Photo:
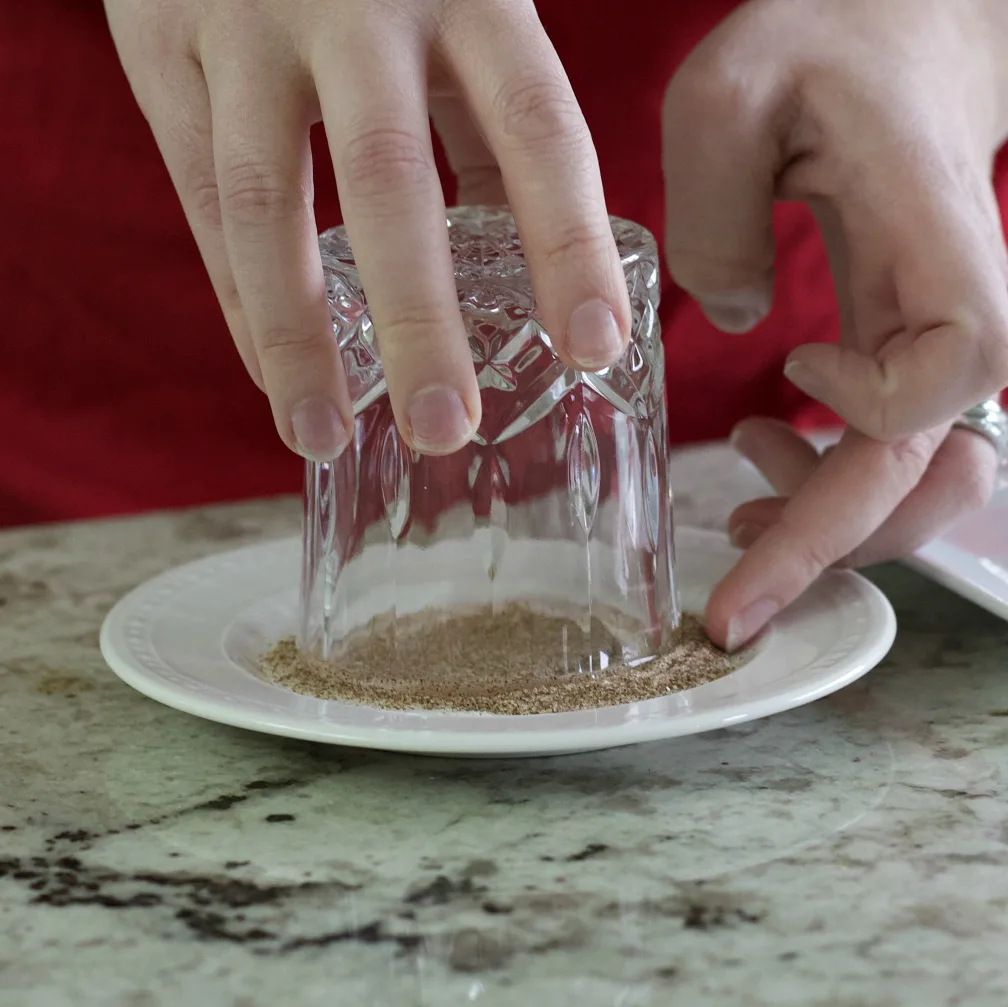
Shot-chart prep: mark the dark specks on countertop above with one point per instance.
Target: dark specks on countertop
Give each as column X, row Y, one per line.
column 697, row 906
column 443, row 890
column 284, row 784
column 371, row 933
column 223, row 803
column 208, row 905
column 591, row 850
column 496, row 909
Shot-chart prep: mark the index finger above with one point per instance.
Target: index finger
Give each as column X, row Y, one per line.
column 852, row 492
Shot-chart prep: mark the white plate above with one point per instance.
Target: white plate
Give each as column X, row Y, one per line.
column 971, row 558
column 191, row 637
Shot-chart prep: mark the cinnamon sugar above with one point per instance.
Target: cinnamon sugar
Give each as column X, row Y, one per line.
column 515, row 661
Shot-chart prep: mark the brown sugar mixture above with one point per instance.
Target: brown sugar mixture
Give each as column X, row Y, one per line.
column 514, row 661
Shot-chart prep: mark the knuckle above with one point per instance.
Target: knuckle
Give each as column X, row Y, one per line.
column 537, row 110
column 380, row 160
column 251, row 188
column 287, row 343
column 714, row 88
column 581, row 242
column 201, row 192
column 415, row 333
column 975, row 469
column 910, row 456
column 809, row 552
column 976, row 487
column 885, row 415
column 812, row 557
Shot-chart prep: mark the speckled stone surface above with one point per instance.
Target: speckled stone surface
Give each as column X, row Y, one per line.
column 853, row 852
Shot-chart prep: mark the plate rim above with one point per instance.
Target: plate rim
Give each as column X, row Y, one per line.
column 429, row 741
column 928, row 561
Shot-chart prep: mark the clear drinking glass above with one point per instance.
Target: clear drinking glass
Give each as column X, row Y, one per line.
column 561, row 502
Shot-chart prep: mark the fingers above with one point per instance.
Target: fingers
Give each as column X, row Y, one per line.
column 720, row 156
column 843, row 502
column 479, row 178
column 522, row 101
column 749, row 521
column 180, row 120
column 960, row 479
column 476, row 172
column 930, row 301
column 263, row 172
column 394, row 212
column 782, row 455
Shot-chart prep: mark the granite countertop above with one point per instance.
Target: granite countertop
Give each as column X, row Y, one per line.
column 853, row 852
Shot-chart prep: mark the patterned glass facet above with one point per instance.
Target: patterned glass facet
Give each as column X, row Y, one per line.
column 562, row 498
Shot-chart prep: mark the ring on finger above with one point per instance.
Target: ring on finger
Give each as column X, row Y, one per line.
column 990, row 420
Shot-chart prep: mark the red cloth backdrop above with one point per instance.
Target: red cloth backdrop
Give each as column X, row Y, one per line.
column 119, row 388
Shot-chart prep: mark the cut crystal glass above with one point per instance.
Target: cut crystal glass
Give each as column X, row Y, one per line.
column 561, row 502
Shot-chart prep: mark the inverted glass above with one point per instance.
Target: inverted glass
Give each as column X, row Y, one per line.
column 560, row 504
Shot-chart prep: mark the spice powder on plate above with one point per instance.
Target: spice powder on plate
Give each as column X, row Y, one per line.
column 513, row 661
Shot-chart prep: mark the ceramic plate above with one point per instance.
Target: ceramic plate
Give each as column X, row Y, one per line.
column 971, row 558
column 191, row 638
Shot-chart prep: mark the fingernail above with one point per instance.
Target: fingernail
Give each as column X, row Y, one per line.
column 738, row 440
column 594, row 339
column 744, row 534
column 803, row 378
column 736, row 310
column 319, row 429
column 439, row 421
column 744, row 626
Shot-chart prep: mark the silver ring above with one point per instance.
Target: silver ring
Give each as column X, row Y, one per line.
column 988, row 420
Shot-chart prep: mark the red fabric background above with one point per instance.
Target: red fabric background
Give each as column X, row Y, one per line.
column 119, row 388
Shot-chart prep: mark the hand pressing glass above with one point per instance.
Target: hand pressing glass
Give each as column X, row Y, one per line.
column 231, row 89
